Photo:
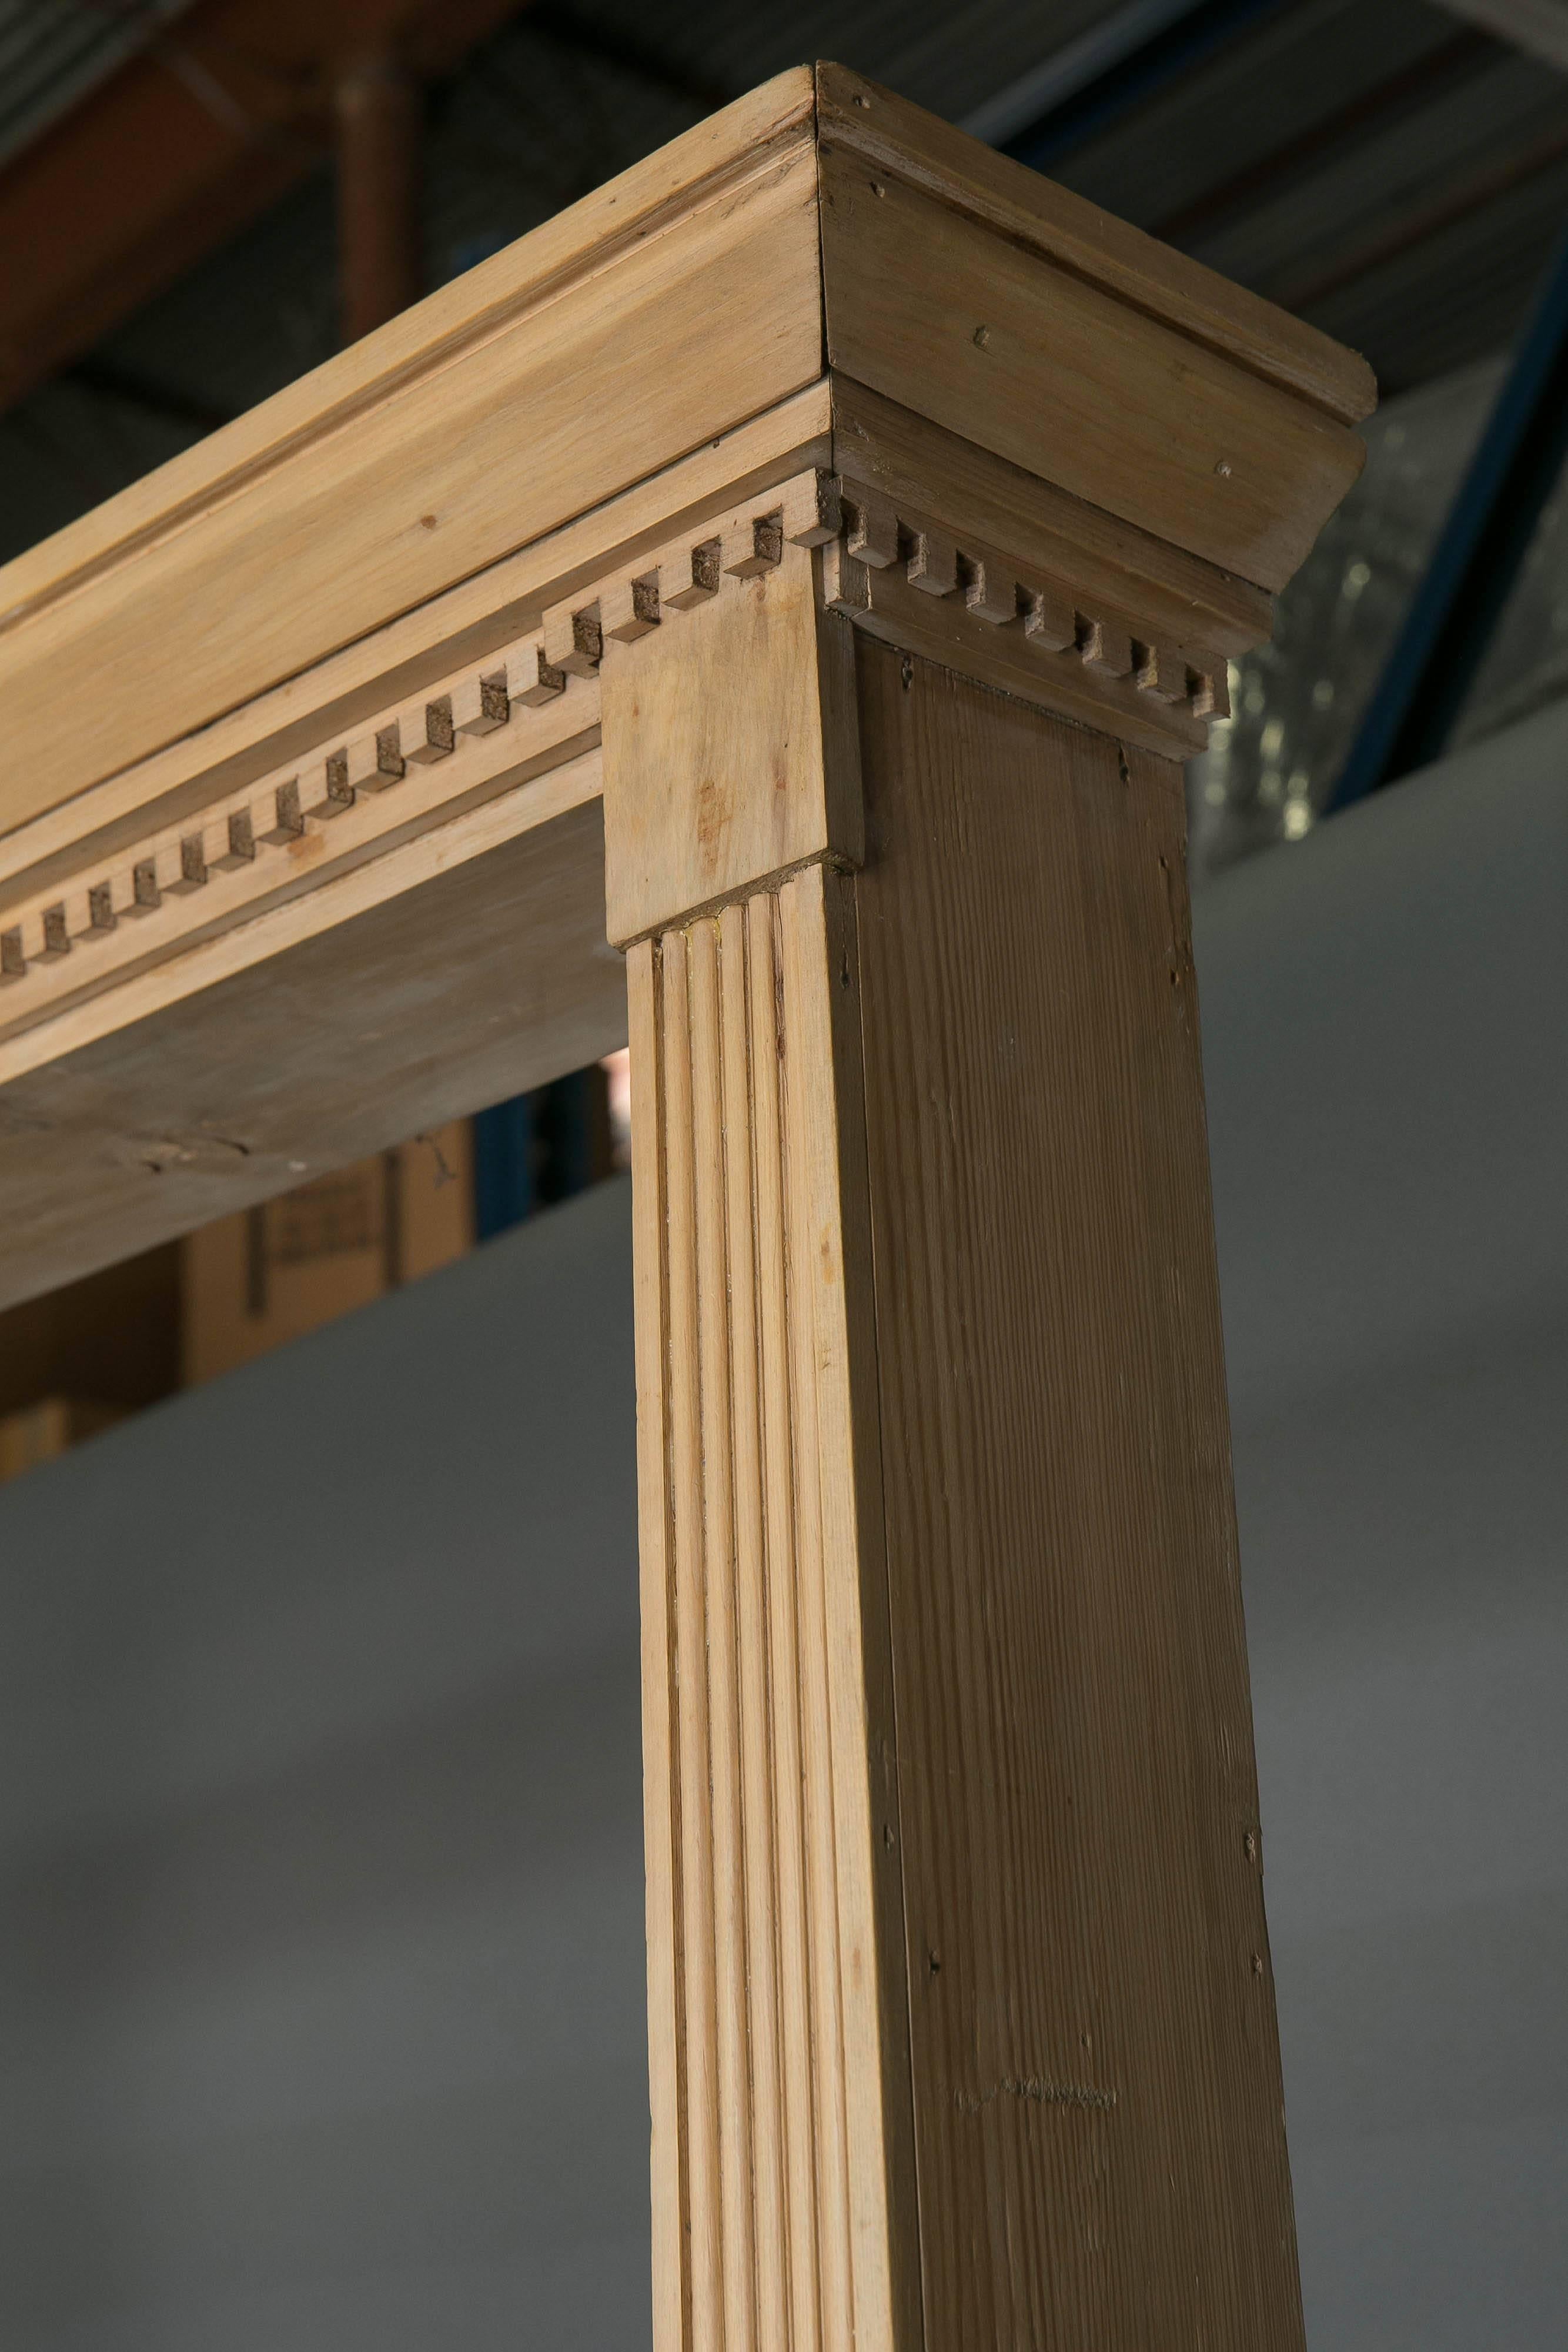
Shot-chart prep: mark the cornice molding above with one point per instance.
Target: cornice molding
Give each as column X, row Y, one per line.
column 1203, row 435
column 976, row 608
column 505, row 719
column 488, row 730
column 653, row 198
column 968, row 177
column 361, row 684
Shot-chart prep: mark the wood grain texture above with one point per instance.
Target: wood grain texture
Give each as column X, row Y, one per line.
column 349, row 800
column 668, row 2163
column 527, row 804
column 489, row 974
column 912, row 462
column 1097, row 2099
column 781, row 2154
column 141, row 918
column 463, row 625
column 637, row 204
column 700, row 801
column 1055, row 374
column 1032, row 211
column 999, row 648
column 403, row 471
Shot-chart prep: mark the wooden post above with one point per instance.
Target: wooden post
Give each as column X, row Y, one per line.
column 960, row 2007
column 782, row 2157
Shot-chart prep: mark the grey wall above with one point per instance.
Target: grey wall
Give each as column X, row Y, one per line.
column 320, row 1925
column 321, row 2005
column 1409, row 1634
column 1386, row 1027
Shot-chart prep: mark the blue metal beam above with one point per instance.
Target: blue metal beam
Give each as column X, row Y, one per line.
column 505, row 1170
column 1476, row 562
column 538, row 1147
column 1162, row 42
column 1038, row 93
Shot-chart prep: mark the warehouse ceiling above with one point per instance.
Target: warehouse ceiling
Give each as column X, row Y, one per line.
column 54, row 52
column 1392, row 172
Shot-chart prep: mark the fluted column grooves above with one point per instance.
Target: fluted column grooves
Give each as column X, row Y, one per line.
column 761, row 1982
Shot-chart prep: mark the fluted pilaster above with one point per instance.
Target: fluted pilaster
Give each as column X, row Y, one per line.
column 769, row 2176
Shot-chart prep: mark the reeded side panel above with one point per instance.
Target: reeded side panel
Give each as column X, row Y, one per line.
column 771, row 2170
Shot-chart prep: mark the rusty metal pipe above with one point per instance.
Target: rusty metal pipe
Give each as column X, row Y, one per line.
column 380, row 114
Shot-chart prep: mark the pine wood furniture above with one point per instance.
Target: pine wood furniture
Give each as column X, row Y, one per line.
column 818, row 549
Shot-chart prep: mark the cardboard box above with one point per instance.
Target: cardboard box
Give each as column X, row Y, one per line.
column 38, row 1432
column 273, row 1273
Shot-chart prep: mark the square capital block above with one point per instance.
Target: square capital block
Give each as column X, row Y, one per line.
column 729, row 744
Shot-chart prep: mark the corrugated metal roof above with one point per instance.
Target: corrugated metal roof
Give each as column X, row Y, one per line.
column 1396, row 176
column 1316, row 226
column 1270, row 86
column 947, row 58
column 555, row 104
column 52, row 52
column 1311, row 155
